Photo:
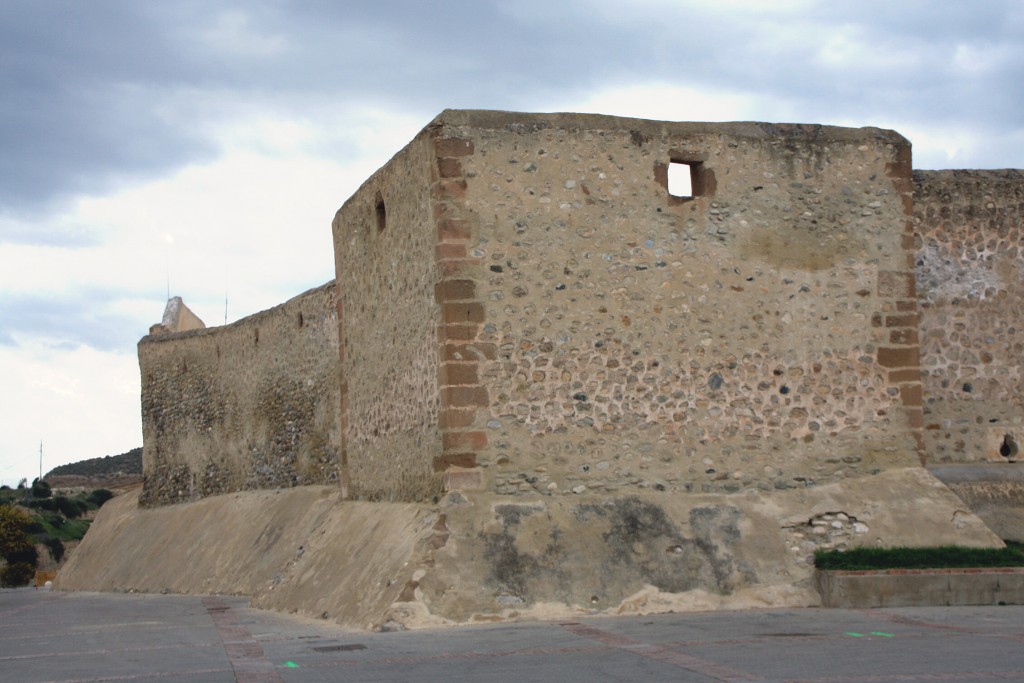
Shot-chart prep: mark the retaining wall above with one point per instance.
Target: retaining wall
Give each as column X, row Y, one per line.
column 921, row 587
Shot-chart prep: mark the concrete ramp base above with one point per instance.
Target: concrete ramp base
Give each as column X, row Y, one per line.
column 483, row 557
column 994, row 492
column 298, row 550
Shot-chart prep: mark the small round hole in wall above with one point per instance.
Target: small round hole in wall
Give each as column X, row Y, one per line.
column 1008, row 448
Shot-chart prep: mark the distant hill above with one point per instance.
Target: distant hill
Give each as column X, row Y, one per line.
column 129, row 463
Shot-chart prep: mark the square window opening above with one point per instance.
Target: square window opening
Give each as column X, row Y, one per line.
column 681, row 179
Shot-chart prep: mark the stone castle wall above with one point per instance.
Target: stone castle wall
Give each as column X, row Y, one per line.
column 760, row 335
column 970, row 275
column 384, row 238
column 249, row 405
column 522, row 306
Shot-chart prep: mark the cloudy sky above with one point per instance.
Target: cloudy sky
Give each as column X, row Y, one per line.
column 204, row 145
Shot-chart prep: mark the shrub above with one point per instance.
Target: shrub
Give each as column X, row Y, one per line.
column 49, row 504
column 13, row 534
column 941, row 557
column 16, row 547
column 10, row 496
column 40, row 489
column 54, row 545
column 69, row 508
column 15, row 574
column 99, row 497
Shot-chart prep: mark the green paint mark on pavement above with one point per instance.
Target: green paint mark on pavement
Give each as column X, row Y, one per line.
column 879, row 633
column 855, row 634
column 291, row 665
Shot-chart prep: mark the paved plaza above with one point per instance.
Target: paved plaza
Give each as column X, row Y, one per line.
column 88, row 637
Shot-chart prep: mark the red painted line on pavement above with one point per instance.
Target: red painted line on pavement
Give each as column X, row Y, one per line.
column 362, row 659
column 53, row 633
column 910, row 621
column 137, row 677
column 669, row 654
column 104, row 651
column 600, row 635
column 955, row 676
column 30, row 607
column 245, row 654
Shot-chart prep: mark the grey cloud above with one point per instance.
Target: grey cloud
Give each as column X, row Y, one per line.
column 114, row 90
column 78, row 107
column 82, row 317
column 24, row 230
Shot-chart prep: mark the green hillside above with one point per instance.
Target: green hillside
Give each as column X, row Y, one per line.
column 111, row 465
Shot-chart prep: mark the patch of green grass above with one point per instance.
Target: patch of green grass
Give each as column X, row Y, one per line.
column 57, row 526
column 940, row 557
column 56, row 519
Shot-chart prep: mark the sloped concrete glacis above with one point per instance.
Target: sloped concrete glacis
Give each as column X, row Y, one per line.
column 484, row 557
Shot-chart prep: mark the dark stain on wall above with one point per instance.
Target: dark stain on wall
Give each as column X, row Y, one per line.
column 642, row 545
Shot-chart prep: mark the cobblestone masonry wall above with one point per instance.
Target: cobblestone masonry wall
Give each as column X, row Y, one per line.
column 384, row 241
column 970, row 274
column 524, row 306
column 250, row 405
column 760, row 335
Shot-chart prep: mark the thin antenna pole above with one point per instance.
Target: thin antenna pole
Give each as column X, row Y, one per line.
column 168, row 277
column 225, row 307
column 40, row 460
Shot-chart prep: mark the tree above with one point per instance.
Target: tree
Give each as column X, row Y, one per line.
column 40, row 489
column 16, row 548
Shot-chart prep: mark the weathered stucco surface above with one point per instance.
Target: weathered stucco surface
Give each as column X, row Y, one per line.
column 250, row 405
column 485, row 557
column 970, row 273
column 298, row 549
